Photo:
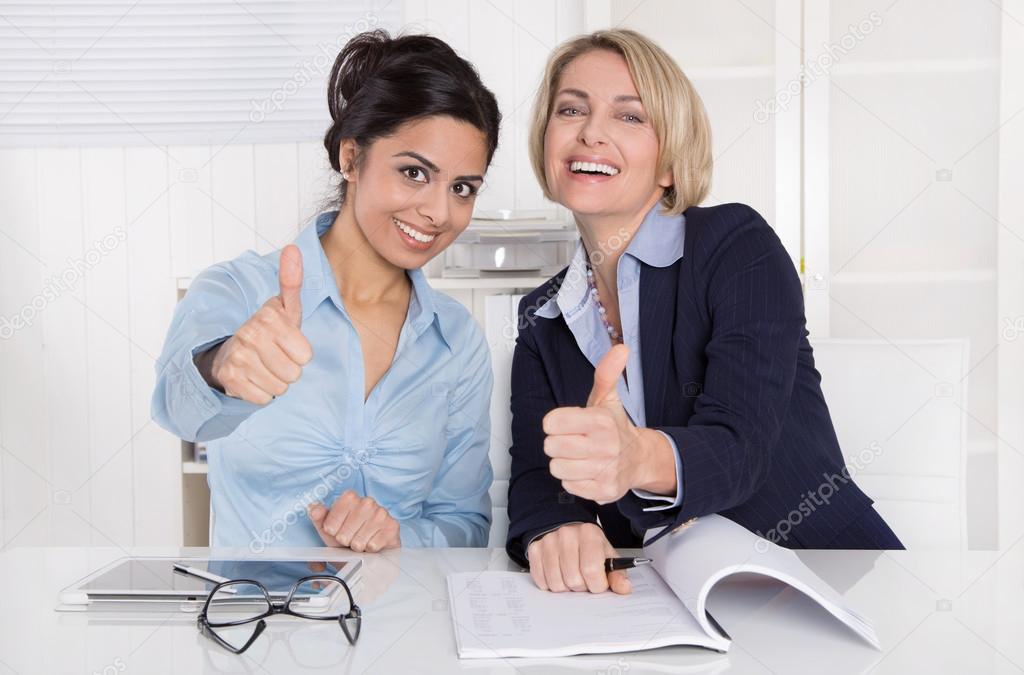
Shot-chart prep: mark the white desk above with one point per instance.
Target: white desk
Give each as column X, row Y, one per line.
column 934, row 613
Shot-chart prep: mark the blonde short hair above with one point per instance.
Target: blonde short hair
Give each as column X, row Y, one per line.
column 673, row 105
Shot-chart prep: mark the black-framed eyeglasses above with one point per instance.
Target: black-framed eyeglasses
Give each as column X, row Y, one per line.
column 232, row 606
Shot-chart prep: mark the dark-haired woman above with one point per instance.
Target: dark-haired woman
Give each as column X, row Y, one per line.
column 328, row 379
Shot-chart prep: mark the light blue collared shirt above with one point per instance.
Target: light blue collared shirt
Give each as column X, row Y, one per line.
column 658, row 243
column 418, row 445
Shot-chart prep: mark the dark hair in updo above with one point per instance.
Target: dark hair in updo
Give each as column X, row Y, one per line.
column 379, row 83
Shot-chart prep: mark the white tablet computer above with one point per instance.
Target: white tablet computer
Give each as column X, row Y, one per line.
column 156, row 579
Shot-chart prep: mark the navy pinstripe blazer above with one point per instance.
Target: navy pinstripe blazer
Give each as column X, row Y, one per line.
column 728, row 374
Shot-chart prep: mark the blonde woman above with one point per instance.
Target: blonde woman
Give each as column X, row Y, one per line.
column 666, row 373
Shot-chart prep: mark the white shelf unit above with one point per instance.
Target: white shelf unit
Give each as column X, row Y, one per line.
column 195, row 499
column 193, row 467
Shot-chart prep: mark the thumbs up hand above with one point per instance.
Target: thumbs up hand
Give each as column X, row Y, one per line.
column 596, row 451
column 268, row 352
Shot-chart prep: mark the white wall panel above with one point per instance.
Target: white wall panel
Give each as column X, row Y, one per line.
column 156, row 457
column 107, row 352
column 64, row 367
column 24, row 424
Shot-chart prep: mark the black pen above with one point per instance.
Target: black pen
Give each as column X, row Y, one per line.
column 613, row 564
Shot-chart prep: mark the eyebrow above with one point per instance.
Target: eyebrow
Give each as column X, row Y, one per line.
column 622, row 98
column 433, row 167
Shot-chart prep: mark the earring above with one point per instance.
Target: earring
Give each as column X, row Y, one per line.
column 344, row 175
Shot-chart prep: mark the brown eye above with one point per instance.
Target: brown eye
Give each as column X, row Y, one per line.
column 464, row 190
column 414, row 173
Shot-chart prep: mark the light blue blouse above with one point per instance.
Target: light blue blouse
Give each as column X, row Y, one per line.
column 418, row 445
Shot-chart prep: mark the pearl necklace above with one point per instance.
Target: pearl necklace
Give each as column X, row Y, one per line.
column 592, row 285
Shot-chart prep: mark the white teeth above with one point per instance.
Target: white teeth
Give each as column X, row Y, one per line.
column 415, row 234
column 592, row 167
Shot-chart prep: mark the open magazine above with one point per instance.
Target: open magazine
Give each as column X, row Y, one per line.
column 503, row 614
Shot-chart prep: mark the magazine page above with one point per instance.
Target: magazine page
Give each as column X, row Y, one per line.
column 695, row 557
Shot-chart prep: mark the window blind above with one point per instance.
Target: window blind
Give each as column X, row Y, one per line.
column 184, row 72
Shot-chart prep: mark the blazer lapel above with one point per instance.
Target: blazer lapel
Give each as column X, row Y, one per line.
column 658, row 287
column 573, row 375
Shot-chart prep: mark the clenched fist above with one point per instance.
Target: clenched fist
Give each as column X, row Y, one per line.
column 268, row 352
column 355, row 522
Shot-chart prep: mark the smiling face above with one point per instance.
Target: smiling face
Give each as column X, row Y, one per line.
column 412, row 193
column 600, row 150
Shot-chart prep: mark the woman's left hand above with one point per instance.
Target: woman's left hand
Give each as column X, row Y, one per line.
column 355, row 522
column 597, row 452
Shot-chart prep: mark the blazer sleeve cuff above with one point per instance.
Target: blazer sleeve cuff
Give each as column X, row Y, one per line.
column 665, row 502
